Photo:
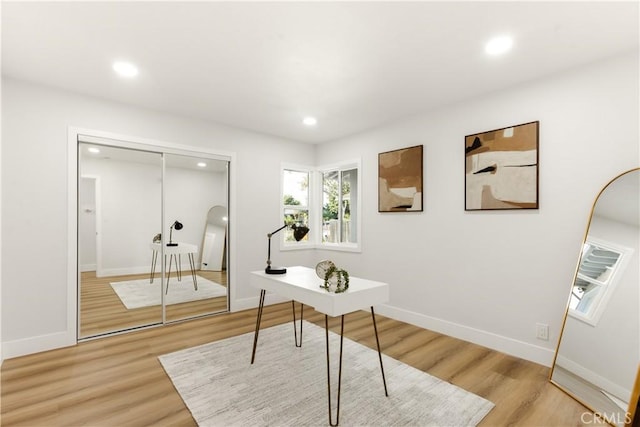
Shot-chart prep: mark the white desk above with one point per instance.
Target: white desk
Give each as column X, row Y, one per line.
column 303, row 285
column 175, row 253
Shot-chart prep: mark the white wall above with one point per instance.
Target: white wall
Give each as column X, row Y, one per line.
column 35, row 207
column 490, row 276
column 130, row 213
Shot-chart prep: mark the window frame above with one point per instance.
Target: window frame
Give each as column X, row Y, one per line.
column 340, row 168
column 592, row 317
column 305, row 244
column 316, row 205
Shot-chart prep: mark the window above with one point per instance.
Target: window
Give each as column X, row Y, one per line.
column 295, row 201
column 339, row 206
column 601, row 264
column 330, row 207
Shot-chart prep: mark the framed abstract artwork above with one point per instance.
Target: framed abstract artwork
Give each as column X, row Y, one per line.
column 501, row 168
column 400, row 180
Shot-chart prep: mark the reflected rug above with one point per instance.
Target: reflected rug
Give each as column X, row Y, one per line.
column 287, row 386
column 141, row 293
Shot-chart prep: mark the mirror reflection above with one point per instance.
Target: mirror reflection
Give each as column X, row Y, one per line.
column 192, row 187
column 119, row 211
column 214, row 242
column 599, row 349
column 134, row 270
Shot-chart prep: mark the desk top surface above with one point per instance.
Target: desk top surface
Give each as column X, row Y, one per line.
column 182, row 248
column 303, row 285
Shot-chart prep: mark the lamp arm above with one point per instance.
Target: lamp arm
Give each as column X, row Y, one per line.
column 269, row 245
column 274, row 232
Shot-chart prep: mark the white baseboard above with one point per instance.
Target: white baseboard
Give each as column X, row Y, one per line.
column 37, row 344
column 523, row 350
column 520, row 349
column 249, row 303
column 108, row 272
column 594, row 378
column 88, row 267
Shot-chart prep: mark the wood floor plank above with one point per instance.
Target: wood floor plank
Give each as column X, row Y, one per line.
column 101, row 310
column 118, row 380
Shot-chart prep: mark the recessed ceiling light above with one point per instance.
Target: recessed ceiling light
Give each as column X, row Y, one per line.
column 310, row 121
column 93, row 150
column 202, row 164
column 498, row 45
column 125, row 69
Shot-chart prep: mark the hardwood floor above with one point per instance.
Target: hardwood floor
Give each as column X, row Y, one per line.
column 101, row 311
column 118, row 381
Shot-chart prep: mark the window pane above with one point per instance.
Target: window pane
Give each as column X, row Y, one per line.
column 330, row 207
column 295, row 188
column 295, row 199
column 295, row 217
column 349, row 206
column 597, row 272
column 598, row 263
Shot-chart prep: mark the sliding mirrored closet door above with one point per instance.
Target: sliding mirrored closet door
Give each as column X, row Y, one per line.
column 119, row 213
column 152, row 236
column 196, row 200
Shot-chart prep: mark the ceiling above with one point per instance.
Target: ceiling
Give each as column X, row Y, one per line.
column 118, row 154
column 263, row 66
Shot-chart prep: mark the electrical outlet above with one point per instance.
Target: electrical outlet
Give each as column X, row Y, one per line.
column 542, row 331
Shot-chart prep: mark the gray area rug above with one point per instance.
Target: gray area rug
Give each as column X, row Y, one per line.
column 287, row 386
column 141, row 293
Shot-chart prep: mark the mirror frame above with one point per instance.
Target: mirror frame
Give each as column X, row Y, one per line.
column 632, row 411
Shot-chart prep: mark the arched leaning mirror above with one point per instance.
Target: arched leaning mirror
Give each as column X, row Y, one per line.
column 598, row 353
column 214, row 241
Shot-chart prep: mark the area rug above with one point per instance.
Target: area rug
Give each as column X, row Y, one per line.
column 141, row 293
column 287, row 386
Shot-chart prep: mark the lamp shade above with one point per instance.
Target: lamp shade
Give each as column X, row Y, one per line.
column 299, row 231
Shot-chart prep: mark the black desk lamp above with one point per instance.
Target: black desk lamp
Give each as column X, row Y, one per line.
column 178, row 226
column 299, row 231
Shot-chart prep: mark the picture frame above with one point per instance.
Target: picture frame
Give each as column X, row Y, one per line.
column 400, row 182
column 502, row 168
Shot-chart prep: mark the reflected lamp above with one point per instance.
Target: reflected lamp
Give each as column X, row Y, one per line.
column 178, row 226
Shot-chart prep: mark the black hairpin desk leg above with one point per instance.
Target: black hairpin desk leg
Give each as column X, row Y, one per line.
column 295, row 327
column 258, row 319
column 326, row 328
column 375, row 329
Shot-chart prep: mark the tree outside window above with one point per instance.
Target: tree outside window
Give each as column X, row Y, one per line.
column 295, row 201
column 337, row 206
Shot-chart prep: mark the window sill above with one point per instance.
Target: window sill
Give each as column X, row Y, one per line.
column 344, row 247
column 296, row 246
column 583, row 318
column 322, row 246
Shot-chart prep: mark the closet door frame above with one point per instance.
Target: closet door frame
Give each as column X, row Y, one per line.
column 76, row 135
